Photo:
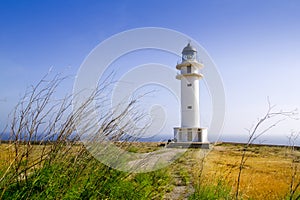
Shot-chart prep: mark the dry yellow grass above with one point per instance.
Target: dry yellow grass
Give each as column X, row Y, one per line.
column 266, row 175
column 34, row 158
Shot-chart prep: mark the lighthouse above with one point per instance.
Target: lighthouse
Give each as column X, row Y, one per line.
column 189, row 76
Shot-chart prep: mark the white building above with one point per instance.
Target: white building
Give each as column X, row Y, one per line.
column 189, row 76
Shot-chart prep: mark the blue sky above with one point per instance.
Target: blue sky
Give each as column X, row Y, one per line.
column 255, row 44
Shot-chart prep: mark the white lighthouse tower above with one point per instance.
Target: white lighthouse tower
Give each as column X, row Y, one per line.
column 189, row 76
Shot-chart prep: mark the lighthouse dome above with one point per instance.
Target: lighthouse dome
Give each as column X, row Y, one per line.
column 189, row 48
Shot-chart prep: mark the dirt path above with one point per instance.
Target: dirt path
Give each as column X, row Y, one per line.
column 183, row 175
column 182, row 190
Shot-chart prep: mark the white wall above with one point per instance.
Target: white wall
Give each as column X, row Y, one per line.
column 190, row 97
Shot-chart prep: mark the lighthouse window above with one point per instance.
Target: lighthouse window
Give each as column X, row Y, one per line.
column 189, row 69
column 189, row 84
column 189, row 107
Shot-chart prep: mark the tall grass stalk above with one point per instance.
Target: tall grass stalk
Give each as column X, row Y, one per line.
column 45, row 156
column 257, row 131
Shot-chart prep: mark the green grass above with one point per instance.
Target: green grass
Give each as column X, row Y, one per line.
column 211, row 192
column 82, row 178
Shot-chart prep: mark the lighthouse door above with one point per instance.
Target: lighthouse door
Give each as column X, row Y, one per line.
column 199, row 135
column 190, row 136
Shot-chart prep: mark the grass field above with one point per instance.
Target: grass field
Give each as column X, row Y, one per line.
column 267, row 174
column 199, row 174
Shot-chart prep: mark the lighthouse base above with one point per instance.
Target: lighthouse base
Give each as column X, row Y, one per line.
column 189, row 135
column 198, row 145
